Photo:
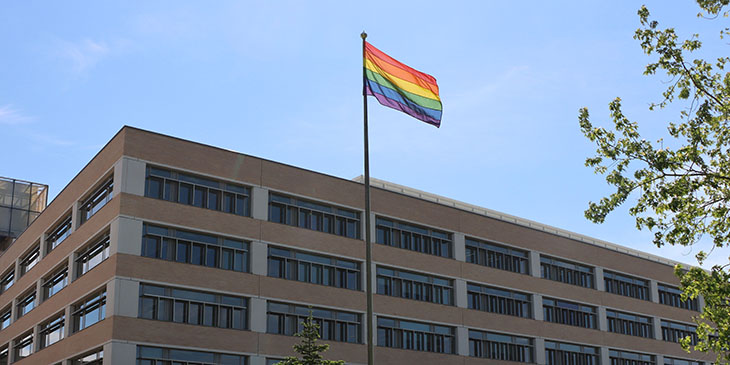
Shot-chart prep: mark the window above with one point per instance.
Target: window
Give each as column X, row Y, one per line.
column 96, row 357
column 158, row 356
column 192, row 307
column 630, row 358
column 23, row 346
column 195, row 248
column 5, row 318
column 497, row 346
column 54, row 283
column 26, row 303
column 404, row 284
column 287, row 319
column 4, row 355
column 314, row 216
column 415, row 336
column 625, row 285
column 92, row 255
column 558, row 353
column 496, row 256
column 566, row 272
column 501, row 301
column 672, row 361
column 315, row 269
column 572, row 314
column 52, row 331
column 30, row 260
column 7, row 280
column 629, row 324
column 671, row 295
column 197, row 191
column 58, row 234
column 674, row 332
column 96, row 200
column 89, row 311
column 412, row 237
column 270, row 361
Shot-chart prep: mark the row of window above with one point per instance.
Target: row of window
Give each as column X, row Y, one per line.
column 54, row 237
column 192, row 307
column 214, row 251
column 315, row 269
column 226, row 311
column 84, row 314
column 204, row 192
column 86, row 259
column 195, row 248
column 481, row 344
column 148, row 355
column 315, row 216
column 197, row 191
column 95, row 357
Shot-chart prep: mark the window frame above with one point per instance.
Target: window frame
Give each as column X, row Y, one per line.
column 81, row 309
column 675, row 331
column 285, row 263
column 567, row 272
column 334, row 324
column 84, row 258
column 583, row 356
column 570, row 313
column 95, row 357
column 166, row 355
column 630, row 358
column 171, row 183
column 27, row 299
column 221, row 303
column 414, row 237
column 616, row 324
column 167, row 246
column 30, row 259
column 314, row 215
column 500, row 346
column 672, row 296
column 497, row 256
column 403, row 335
column 24, row 341
column 626, row 285
column 59, row 233
column 6, row 315
column 93, row 202
column 408, row 288
column 59, row 275
column 46, row 329
column 491, row 299
column 7, row 280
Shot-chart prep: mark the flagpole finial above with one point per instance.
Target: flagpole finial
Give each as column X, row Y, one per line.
column 363, row 35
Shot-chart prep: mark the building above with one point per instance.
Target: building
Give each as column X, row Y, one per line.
column 20, row 203
column 165, row 251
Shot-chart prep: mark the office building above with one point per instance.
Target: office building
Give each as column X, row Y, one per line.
column 166, row 251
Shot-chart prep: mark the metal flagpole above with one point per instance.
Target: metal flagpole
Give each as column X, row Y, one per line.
column 368, row 243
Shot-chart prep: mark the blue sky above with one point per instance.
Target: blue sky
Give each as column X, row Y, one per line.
column 282, row 80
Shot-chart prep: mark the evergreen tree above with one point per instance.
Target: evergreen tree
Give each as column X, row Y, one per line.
column 310, row 351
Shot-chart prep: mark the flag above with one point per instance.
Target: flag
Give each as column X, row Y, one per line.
column 400, row 87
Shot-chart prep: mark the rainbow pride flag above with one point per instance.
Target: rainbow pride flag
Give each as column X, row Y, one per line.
column 400, row 87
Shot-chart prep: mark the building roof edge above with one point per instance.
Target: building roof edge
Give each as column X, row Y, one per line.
column 456, row 204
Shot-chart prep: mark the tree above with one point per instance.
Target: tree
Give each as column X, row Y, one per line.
column 683, row 192
column 308, row 348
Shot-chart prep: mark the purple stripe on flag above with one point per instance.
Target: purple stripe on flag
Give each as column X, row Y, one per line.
column 382, row 99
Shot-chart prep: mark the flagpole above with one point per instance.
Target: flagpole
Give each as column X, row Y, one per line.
column 368, row 242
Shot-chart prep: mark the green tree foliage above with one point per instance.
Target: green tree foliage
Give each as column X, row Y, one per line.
column 682, row 193
column 309, row 350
